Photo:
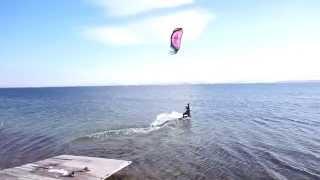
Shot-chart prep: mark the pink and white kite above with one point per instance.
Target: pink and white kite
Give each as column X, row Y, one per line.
column 176, row 37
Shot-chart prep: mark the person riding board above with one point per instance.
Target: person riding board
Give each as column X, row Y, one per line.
column 187, row 112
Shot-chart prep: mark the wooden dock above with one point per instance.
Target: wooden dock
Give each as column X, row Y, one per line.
column 65, row 167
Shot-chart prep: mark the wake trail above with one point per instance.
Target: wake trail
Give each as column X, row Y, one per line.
column 161, row 121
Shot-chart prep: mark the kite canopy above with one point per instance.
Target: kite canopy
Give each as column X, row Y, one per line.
column 176, row 40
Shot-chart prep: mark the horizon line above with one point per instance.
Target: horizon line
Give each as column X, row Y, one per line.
column 164, row 84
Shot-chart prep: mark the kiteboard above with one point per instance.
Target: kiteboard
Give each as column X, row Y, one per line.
column 184, row 118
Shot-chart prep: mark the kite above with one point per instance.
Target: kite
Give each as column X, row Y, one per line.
column 176, row 37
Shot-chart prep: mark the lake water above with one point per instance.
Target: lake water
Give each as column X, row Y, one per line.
column 237, row 131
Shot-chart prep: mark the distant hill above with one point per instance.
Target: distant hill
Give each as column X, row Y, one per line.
column 300, row 81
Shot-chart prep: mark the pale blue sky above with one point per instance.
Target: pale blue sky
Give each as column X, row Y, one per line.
column 97, row 42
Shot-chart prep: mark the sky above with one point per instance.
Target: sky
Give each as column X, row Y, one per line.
column 124, row 42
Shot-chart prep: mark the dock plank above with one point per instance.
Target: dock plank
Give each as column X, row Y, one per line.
column 55, row 168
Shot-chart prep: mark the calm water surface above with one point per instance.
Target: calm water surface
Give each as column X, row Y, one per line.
column 257, row 131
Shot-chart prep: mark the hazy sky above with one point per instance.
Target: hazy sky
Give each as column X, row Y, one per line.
column 101, row 42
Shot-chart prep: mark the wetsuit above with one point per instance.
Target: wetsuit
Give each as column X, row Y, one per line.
column 187, row 113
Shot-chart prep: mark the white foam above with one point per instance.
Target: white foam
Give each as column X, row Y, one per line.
column 163, row 118
column 123, row 132
column 160, row 122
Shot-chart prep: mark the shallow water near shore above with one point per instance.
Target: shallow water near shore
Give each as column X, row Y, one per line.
column 237, row 131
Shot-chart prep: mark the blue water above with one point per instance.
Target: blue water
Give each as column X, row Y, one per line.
column 239, row 131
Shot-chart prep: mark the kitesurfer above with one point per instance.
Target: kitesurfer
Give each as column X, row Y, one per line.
column 187, row 112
